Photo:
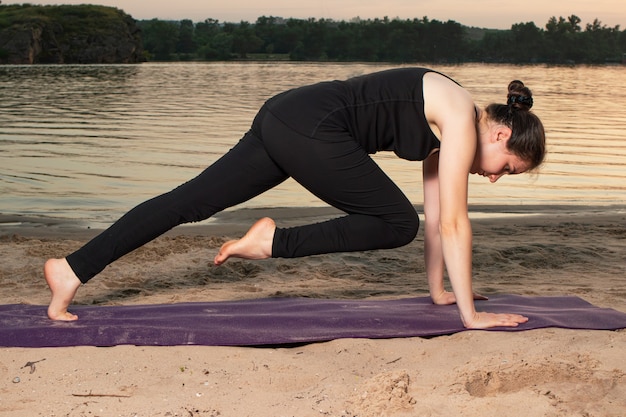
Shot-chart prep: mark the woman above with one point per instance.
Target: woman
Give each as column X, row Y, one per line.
column 322, row 135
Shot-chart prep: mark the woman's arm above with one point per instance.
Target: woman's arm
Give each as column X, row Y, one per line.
column 450, row 108
column 433, row 256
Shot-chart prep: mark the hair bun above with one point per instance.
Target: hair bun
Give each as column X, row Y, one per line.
column 520, row 97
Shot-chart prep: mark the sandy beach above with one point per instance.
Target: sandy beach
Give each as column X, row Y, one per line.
column 539, row 251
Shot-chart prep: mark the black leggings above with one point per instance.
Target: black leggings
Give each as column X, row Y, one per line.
column 336, row 169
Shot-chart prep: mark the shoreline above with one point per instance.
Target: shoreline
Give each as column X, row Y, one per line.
column 238, row 220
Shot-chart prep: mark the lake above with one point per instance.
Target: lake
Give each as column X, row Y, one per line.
column 87, row 143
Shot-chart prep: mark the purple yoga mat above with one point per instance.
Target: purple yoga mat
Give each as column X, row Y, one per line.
column 280, row 321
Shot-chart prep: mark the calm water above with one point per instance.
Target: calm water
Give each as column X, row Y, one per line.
column 89, row 142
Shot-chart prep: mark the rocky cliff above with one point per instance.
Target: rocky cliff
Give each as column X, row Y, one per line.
column 83, row 34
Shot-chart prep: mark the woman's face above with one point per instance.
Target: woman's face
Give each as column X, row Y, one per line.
column 493, row 159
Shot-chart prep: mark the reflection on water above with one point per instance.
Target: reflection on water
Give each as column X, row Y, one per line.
column 89, row 142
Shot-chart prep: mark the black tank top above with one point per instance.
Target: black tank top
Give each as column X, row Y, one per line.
column 383, row 111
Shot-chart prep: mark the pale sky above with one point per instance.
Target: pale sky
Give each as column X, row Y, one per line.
column 482, row 13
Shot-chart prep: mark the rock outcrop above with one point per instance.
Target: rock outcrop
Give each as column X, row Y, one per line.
column 83, row 34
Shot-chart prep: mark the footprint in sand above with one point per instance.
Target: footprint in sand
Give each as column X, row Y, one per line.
column 567, row 382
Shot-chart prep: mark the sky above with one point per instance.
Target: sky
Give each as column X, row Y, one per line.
column 490, row 14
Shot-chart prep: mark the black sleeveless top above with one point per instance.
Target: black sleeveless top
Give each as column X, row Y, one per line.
column 383, row 111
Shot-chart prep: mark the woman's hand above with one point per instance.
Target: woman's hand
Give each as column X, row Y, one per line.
column 484, row 320
column 447, row 297
column 481, row 320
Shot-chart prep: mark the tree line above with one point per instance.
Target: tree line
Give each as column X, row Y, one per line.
column 562, row 40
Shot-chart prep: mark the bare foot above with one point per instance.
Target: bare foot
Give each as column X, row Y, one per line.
column 63, row 284
column 256, row 244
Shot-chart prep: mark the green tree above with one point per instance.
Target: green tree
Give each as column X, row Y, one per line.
column 160, row 38
column 245, row 40
column 268, row 30
column 205, row 31
column 603, row 43
column 574, row 23
column 186, row 43
column 527, row 43
column 340, row 42
column 222, row 46
column 558, row 39
column 404, row 41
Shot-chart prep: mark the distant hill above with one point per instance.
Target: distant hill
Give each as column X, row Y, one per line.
column 83, row 34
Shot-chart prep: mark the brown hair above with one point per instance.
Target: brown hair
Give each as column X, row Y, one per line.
column 528, row 138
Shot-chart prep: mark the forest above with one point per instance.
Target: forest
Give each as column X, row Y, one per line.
column 560, row 41
column 98, row 34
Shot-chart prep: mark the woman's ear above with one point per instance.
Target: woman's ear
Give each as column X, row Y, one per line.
column 503, row 133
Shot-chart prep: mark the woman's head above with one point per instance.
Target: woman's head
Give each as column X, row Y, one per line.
column 528, row 139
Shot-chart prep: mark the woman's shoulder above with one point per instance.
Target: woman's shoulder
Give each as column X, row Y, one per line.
column 445, row 100
column 438, row 86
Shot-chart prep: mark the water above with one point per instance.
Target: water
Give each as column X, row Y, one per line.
column 89, row 142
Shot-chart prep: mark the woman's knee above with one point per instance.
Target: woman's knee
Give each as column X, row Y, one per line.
column 405, row 228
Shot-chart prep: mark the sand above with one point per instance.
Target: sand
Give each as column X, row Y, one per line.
column 535, row 251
